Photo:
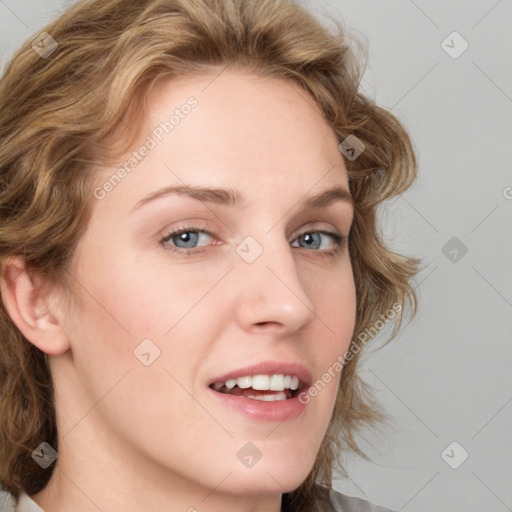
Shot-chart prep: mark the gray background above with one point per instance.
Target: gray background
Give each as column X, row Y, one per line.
column 446, row 377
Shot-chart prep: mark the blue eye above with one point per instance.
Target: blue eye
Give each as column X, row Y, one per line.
column 186, row 239
column 193, row 240
column 319, row 240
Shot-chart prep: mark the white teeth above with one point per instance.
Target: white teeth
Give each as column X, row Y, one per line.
column 261, row 383
column 231, row 383
column 268, row 398
column 277, row 383
column 244, row 382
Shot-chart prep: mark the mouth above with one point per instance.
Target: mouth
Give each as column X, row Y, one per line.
column 265, row 388
column 264, row 392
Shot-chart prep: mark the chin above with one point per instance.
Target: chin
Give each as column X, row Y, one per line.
column 261, row 483
column 276, row 475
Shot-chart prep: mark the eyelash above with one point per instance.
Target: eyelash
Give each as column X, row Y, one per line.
column 340, row 241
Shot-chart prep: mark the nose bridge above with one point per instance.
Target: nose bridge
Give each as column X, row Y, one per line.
column 269, row 289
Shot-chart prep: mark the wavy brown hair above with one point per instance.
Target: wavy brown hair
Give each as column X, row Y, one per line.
column 60, row 114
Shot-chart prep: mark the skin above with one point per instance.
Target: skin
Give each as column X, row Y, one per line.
column 136, row 437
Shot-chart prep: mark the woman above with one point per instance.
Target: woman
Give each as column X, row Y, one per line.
column 190, row 255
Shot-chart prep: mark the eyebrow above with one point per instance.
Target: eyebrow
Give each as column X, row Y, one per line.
column 231, row 197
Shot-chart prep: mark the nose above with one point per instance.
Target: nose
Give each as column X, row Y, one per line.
column 270, row 292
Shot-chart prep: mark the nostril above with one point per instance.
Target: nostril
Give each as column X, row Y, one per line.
column 268, row 324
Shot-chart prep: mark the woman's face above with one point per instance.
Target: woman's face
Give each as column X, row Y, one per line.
column 257, row 286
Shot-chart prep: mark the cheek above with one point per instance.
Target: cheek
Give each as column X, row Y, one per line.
column 121, row 325
column 336, row 311
column 334, row 297
column 132, row 314
column 140, row 300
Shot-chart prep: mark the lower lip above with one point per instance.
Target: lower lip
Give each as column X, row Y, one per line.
column 276, row 411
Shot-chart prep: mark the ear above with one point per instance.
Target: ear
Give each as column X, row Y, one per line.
column 33, row 307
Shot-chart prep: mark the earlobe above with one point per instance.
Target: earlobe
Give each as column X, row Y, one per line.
column 33, row 307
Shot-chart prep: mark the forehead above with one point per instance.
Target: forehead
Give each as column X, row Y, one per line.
column 245, row 131
column 240, row 110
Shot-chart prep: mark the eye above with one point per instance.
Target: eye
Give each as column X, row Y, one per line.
column 193, row 240
column 320, row 240
column 186, row 239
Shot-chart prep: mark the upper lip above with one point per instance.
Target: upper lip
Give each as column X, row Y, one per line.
column 269, row 368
